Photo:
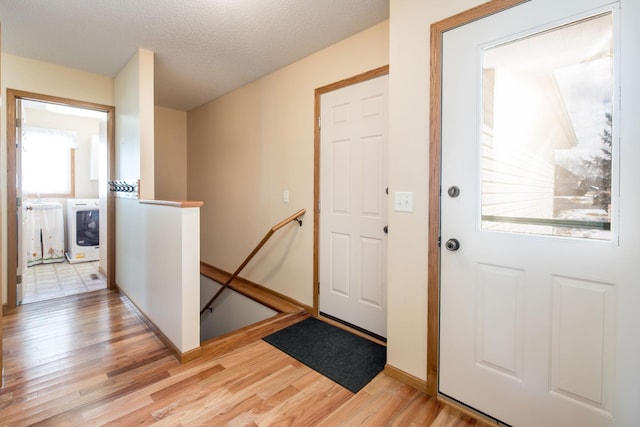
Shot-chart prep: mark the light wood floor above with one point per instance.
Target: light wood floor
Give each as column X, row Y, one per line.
column 89, row 360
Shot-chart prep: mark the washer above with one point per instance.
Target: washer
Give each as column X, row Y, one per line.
column 83, row 230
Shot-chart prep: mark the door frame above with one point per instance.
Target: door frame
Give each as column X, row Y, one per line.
column 435, row 167
column 12, row 229
column 359, row 78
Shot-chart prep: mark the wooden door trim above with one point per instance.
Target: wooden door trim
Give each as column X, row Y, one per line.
column 12, row 231
column 435, row 142
column 367, row 75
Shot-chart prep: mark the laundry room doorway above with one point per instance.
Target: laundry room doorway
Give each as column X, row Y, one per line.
column 58, row 170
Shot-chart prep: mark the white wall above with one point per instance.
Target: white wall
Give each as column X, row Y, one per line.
column 408, row 171
column 157, row 247
column 147, row 120
column 158, row 266
column 48, row 79
column 135, row 122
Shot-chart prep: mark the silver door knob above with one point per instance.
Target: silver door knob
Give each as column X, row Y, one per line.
column 452, row 245
column 453, row 191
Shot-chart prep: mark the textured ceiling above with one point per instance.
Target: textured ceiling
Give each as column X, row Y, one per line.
column 203, row 48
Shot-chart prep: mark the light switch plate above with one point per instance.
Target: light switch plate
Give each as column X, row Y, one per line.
column 403, row 201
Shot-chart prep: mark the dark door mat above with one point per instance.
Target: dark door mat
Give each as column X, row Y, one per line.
column 345, row 358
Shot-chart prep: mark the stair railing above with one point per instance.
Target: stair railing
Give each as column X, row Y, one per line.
column 295, row 217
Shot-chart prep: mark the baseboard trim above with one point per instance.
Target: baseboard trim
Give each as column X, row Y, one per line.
column 182, row 357
column 406, row 378
column 190, row 355
column 244, row 287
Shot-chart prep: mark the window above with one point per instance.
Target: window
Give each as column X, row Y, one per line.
column 48, row 163
column 546, row 160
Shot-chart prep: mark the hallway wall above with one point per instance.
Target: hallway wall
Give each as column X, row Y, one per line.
column 170, row 151
column 408, row 171
column 245, row 148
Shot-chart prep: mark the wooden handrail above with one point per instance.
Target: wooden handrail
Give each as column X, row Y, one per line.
column 295, row 217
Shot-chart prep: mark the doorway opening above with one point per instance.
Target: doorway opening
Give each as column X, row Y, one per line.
column 58, row 168
column 350, row 232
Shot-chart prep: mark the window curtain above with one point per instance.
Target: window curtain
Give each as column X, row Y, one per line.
column 43, row 233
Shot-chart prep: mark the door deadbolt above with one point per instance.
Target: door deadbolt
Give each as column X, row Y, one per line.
column 452, row 245
column 386, row 229
column 453, row 191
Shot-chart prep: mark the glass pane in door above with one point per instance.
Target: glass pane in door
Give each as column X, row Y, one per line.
column 547, row 146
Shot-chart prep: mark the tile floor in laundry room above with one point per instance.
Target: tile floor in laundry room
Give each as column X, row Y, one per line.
column 47, row 281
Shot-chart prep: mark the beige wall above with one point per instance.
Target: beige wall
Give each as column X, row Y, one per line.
column 40, row 77
column 250, row 145
column 170, row 152
column 408, row 161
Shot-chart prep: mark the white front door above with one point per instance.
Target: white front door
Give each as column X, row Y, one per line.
column 540, row 232
column 353, row 204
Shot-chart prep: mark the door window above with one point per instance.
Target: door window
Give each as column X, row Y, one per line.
column 547, row 146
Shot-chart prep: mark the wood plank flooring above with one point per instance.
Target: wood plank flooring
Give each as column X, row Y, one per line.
column 89, row 360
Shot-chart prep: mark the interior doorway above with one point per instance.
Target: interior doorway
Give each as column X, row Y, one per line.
column 57, row 187
column 351, row 187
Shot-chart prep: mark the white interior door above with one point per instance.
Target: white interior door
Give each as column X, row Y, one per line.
column 353, row 204
column 539, row 319
column 21, row 261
